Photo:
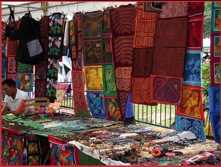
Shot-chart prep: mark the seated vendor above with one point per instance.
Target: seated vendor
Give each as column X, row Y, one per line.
column 14, row 96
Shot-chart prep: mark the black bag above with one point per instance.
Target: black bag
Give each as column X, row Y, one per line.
column 30, row 48
column 11, row 30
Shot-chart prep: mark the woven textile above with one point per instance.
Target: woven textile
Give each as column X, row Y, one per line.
column 55, row 46
column 190, row 124
column 122, row 100
column 78, row 80
column 123, row 20
column 142, row 62
column 123, row 78
column 11, row 48
column 215, row 46
column 122, row 47
column 40, row 88
column 77, row 64
column 21, row 67
column 11, row 65
column 93, row 52
column 24, row 81
column 145, row 27
column 168, row 59
column 79, row 100
column 61, row 154
column 140, row 91
column 109, row 85
column 56, row 24
column 195, row 31
column 41, row 70
column 12, row 76
column 215, row 18
column 112, row 108
column 92, row 24
column 214, row 98
column 12, row 149
column 192, row 70
column 166, row 90
column 51, row 89
column 191, row 102
column 174, row 9
column 171, row 32
column 52, row 68
column 95, row 101
column 93, row 78
column 195, row 8
column 214, row 73
column 43, row 23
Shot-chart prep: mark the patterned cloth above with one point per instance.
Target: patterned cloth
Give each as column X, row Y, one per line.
column 191, row 102
column 215, row 46
column 166, row 90
column 215, row 122
column 21, row 67
column 171, row 32
column 123, row 78
column 195, row 8
column 11, row 65
column 43, row 23
column 168, row 59
column 41, row 70
column 112, row 108
column 215, row 18
column 11, row 48
column 52, row 68
column 24, row 81
column 123, row 102
column 40, row 88
column 51, row 89
column 214, row 98
column 214, row 73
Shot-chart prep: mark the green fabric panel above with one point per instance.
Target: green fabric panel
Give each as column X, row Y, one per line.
column 109, row 85
column 85, row 159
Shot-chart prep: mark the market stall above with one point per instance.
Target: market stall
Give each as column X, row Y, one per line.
column 102, row 142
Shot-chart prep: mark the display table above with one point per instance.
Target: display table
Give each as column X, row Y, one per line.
column 91, row 141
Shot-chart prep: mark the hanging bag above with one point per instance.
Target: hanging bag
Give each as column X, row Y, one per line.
column 30, row 48
column 11, row 30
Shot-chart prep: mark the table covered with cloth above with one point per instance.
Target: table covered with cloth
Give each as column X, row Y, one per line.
column 93, row 141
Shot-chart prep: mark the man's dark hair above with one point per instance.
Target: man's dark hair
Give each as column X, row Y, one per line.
column 10, row 82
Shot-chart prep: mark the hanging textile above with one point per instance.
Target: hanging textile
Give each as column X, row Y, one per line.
column 11, row 65
column 52, row 68
column 41, row 70
column 77, row 64
column 112, row 108
column 195, row 8
column 12, row 76
column 214, row 98
column 40, row 88
column 21, row 67
column 215, row 18
column 11, row 48
column 123, row 102
column 123, row 77
column 215, row 122
column 51, row 89
column 24, row 81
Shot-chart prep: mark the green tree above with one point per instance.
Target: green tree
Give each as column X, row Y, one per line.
column 207, row 19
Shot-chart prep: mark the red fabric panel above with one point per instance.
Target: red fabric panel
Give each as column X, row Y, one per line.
column 171, row 32
column 11, row 65
column 142, row 62
column 43, row 23
column 123, row 77
column 11, row 48
column 191, row 102
column 40, row 88
column 122, row 100
column 169, row 61
column 195, row 8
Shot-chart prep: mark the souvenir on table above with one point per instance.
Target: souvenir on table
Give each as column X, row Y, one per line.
column 109, row 85
column 12, row 76
column 52, row 68
column 61, row 154
column 192, row 69
column 174, row 9
column 41, row 70
column 177, row 37
column 40, row 88
column 195, row 31
column 166, row 90
column 92, row 24
column 215, row 46
column 122, row 47
column 214, row 73
column 55, row 45
column 214, row 99
column 77, row 64
column 215, row 18
column 95, row 101
column 142, row 62
column 112, row 108
column 24, row 81
column 215, row 121
column 51, row 89
column 11, row 65
column 123, row 78
column 107, row 53
column 82, row 113
column 195, row 8
column 145, row 27
column 11, row 48
column 166, row 60
column 93, row 78
column 12, row 152
column 22, row 67
column 93, row 52
column 123, row 20
column 190, row 124
column 56, row 24
column 140, row 91
column 191, row 102
column 43, row 23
